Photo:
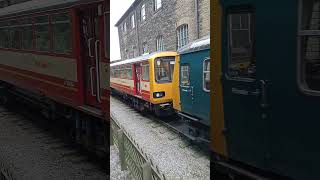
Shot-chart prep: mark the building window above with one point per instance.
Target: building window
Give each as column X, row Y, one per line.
column 159, row 42
column 124, row 27
column 42, row 33
column 144, row 48
column 145, row 75
column 61, row 26
column 242, row 62
column 185, row 75
column 182, row 35
column 143, row 12
column 132, row 21
column 309, row 42
column 157, row 4
column 206, row 75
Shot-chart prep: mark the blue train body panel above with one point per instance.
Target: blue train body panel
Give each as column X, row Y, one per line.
column 194, row 79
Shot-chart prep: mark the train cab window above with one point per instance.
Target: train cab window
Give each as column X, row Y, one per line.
column 145, row 75
column 206, row 75
column 27, row 34
column 242, row 60
column 42, row 36
column 164, row 69
column 61, row 28
column 309, row 43
column 185, row 75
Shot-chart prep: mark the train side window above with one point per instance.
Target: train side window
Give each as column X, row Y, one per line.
column 3, row 32
column 61, row 28
column 242, row 56
column 27, row 34
column 42, row 33
column 206, row 75
column 309, row 43
column 145, row 76
column 129, row 73
column 15, row 34
column 185, row 75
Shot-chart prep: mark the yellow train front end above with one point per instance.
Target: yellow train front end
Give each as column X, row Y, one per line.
column 161, row 82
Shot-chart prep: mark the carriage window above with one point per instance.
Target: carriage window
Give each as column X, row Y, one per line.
column 129, row 73
column 242, row 61
column 42, row 33
column 27, row 34
column 145, row 72
column 185, row 75
column 164, row 69
column 61, row 27
column 4, row 38
column 206, row 75
column 15, row 34
column 309, row 35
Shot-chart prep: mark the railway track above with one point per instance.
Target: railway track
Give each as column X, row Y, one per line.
column 177, row 126
column 33, row 148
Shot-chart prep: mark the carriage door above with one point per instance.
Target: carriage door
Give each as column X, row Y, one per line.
column 91, row 52
column 244, row 90
column 138, row 79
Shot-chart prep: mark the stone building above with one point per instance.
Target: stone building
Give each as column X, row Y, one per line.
column 162, row 25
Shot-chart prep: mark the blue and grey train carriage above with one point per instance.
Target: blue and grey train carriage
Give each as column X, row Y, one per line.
column 192, row 88
column 266, row 88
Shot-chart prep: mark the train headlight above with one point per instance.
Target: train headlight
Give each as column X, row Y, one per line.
column 159, row 94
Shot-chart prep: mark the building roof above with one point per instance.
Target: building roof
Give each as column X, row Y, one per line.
column 38, row 4
column 198, row 45
column 133, row 5
column 142, row 58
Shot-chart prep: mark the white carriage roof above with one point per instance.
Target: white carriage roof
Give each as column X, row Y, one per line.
column 136, row 59
column 200, row 44
column 37, row 4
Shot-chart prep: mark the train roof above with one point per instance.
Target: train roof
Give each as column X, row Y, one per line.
column 30, row 6
column 144, row 58
column 198, row 45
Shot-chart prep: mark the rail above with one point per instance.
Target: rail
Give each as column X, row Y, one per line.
column 131, row 155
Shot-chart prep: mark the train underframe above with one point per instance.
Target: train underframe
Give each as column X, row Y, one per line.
column 160, row 110
column 85, row 130
column 195, row 129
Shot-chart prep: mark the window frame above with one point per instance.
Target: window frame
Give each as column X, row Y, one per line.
column 182, row 32
column 132, row 20
column 248, row 10
column 166, row 58
column 143, row 70
column 203, row 73
column 159, row 44
column 143, row 9
column 156, row 7
column 189, row 81
column 300, row 35
column 52, row 33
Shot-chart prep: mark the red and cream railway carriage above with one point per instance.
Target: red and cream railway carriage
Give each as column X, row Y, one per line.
column 56, row 53
column 146, row 80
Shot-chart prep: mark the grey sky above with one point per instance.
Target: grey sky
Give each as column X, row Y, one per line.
column 117, row 9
